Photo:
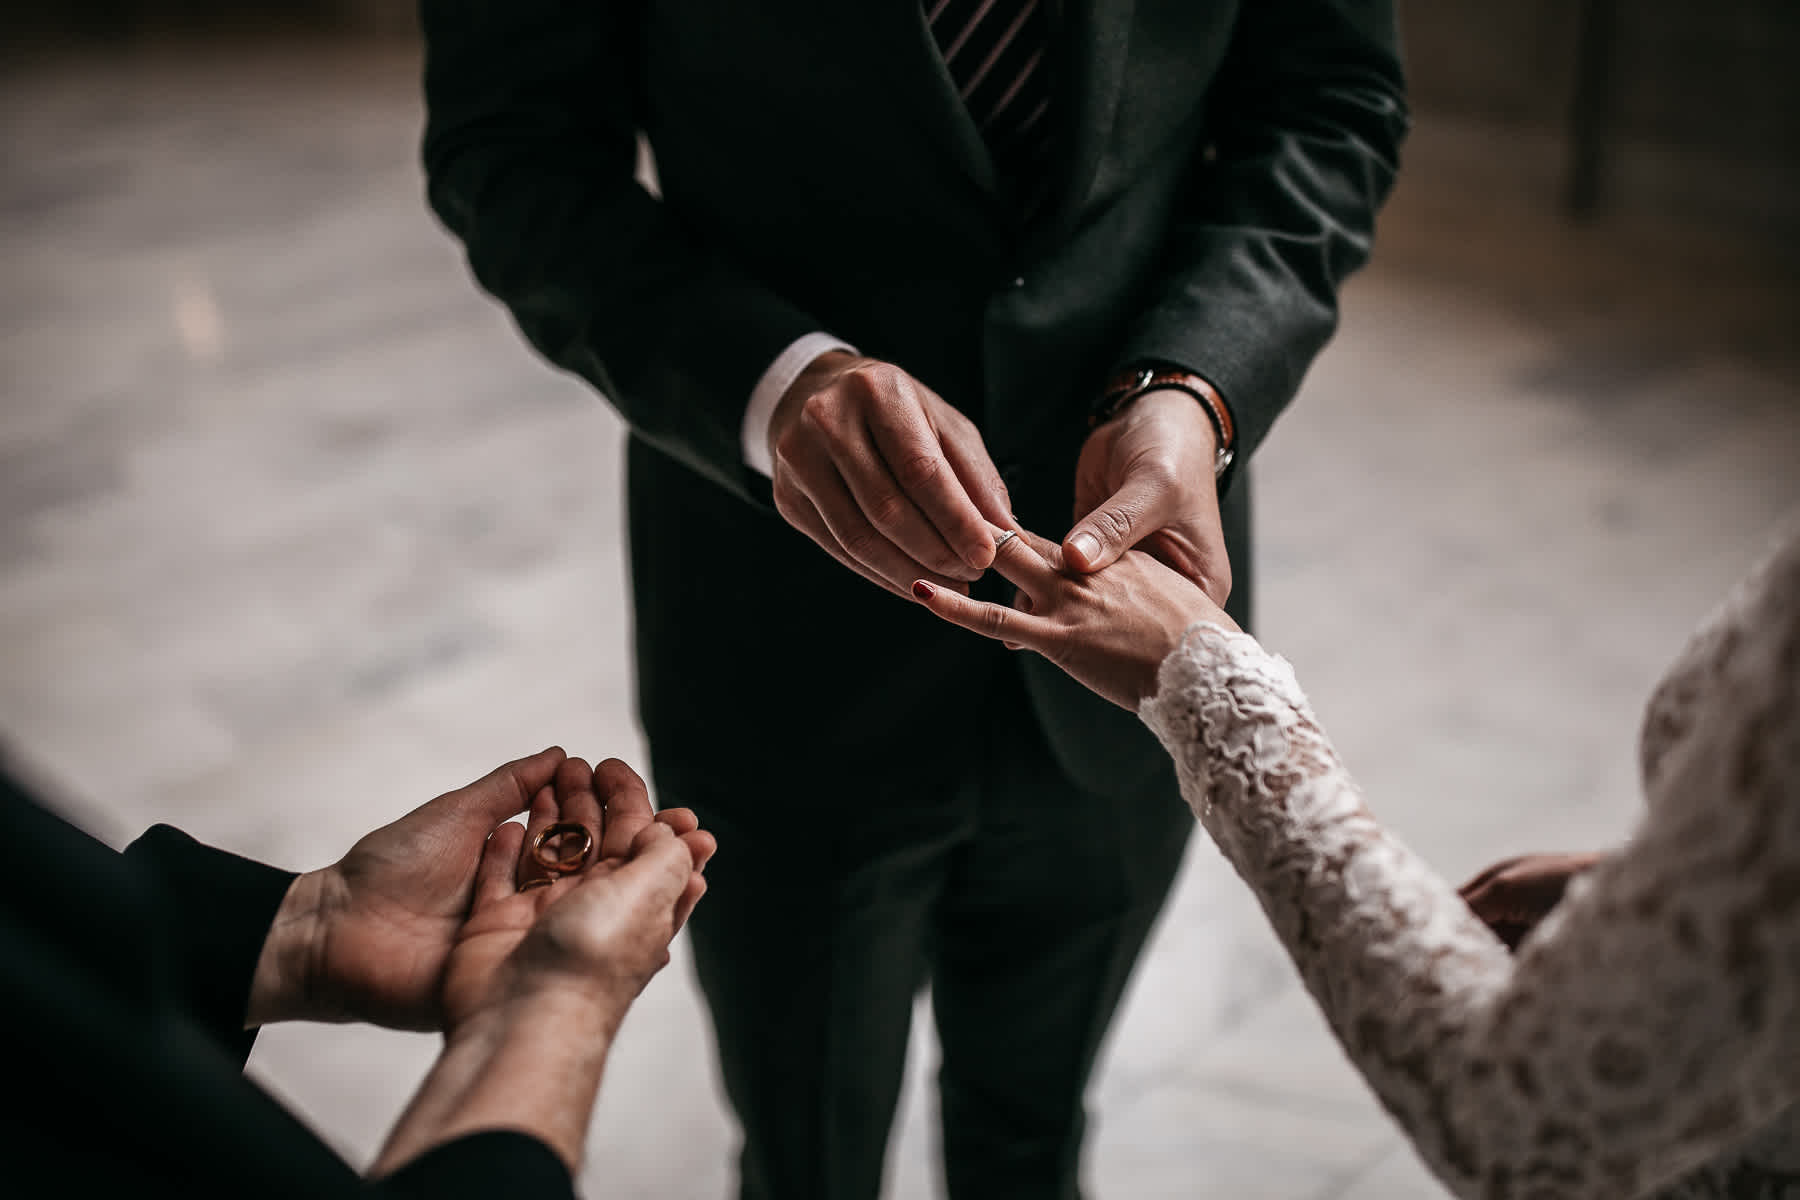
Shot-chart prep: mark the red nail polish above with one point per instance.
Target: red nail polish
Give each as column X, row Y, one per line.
column 923, row 590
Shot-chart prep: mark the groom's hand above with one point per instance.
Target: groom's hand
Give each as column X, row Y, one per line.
column 884, row 475
column 1145, row 479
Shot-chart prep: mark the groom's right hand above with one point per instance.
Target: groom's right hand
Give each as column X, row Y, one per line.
column 884, row 475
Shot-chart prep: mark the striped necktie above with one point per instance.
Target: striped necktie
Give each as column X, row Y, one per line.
column 997, row 52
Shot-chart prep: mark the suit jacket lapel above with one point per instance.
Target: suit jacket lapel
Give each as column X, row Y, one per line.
column 1091, row 41
column 922, row 83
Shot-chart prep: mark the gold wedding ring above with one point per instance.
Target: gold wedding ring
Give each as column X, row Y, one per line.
column 562, row 848
column 537, row 883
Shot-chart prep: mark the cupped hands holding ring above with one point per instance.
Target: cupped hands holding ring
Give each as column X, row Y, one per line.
column 383, row 934
column 599, row 922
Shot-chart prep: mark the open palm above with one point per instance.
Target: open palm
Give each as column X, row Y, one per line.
column 607, row 926
column 390, row 910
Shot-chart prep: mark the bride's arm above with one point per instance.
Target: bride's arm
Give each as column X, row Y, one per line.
column 1652, row 1020
column 1649, row 1023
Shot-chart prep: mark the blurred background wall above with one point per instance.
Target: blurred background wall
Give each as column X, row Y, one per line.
column 1683, row 109
column 1668, row 108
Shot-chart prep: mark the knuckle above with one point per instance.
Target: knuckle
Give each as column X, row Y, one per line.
column 886, row 510
column 1221, row 580
column 866, row 380
column 945, row 563
column 1115, row 522
column 917, row 470
column 786, row 447
column 860, row 544
column 995, row 621
column 817, row 414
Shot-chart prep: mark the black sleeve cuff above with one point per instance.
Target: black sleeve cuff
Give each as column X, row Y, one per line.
column 219, row 907
column 482, row 1166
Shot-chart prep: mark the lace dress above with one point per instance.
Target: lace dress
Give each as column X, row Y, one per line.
column 1646, row 1039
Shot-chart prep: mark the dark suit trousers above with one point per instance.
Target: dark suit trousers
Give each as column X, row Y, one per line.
column 889, row 813
column 1024, row 901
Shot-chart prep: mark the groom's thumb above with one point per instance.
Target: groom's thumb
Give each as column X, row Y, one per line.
column 1115, row 526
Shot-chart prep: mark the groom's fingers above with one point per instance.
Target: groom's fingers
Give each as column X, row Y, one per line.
column 849, row 537
column 989, row 620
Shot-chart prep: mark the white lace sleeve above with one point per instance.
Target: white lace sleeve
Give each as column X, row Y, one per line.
column 1652, row 1022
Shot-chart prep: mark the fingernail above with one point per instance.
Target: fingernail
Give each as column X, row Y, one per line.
column 1086, row 547
column 923, row 590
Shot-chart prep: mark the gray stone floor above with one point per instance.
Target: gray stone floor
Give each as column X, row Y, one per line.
column 296, row 534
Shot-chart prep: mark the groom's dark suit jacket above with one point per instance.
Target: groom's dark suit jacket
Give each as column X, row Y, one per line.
column 1218, row 169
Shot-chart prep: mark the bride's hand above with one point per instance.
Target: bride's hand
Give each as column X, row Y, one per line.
column 1110, row 630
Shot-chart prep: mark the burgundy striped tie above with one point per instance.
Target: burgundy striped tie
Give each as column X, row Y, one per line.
column 997, row 52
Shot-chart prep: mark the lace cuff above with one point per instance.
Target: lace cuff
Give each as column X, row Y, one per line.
column 1229, row 713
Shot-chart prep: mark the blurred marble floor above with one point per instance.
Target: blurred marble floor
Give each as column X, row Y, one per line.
column 294, row 534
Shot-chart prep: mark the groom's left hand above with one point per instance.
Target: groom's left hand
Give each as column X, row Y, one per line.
column 1145, row 479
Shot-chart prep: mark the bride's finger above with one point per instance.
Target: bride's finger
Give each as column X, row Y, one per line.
column 990, row 620
column 1021, row 564
column 1024, row 604
column 1046, row 549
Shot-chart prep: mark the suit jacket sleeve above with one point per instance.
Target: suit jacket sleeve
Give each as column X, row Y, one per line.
column 530, row 149
column 481, row 1166
column 1302, row 141
column 217, row 909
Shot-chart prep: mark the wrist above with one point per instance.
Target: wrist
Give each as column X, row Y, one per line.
column 532, row 1064
column 285, row 985
column 1127, row 391
column 591, row 1011
column 1173, row 404
column 814, row 376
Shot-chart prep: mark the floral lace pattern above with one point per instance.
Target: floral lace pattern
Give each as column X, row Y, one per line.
column 1646, row 1039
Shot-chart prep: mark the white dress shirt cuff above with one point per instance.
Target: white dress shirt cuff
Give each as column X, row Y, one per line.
column 772, row 387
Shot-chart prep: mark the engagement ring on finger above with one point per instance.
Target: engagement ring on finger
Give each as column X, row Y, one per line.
column 1004, row 538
